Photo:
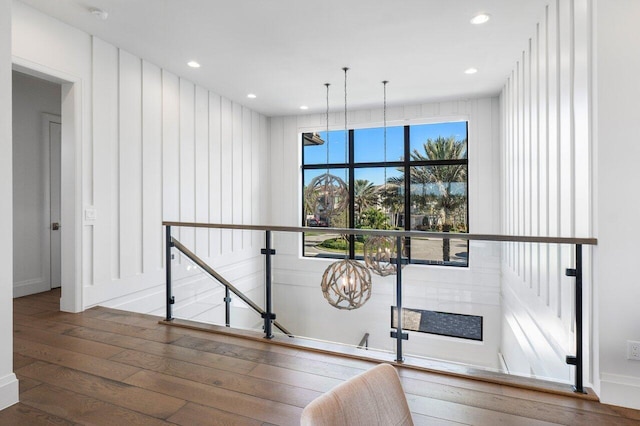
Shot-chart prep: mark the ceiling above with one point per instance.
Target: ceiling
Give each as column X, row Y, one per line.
column 285, row 50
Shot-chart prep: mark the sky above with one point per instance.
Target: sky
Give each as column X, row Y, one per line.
column 369, row 147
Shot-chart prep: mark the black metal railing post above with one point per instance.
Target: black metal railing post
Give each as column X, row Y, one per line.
column 577, row 360
column 398, row 334
column 268, row 316
column 170, row 299
column 227, row 307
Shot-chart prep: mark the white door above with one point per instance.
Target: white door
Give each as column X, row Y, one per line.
column 55, row 164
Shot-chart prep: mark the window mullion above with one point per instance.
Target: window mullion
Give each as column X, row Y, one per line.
column 407, row 190
column 352, row 207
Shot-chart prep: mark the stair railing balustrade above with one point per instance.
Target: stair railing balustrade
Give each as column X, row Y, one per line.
column 399, row 335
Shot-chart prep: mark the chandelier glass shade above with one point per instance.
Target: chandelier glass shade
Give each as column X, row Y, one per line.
column 346, row 284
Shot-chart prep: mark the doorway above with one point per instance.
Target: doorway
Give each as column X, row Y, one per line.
column 37, row 227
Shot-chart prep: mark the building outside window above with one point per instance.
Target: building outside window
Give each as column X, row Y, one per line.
column 419, row 181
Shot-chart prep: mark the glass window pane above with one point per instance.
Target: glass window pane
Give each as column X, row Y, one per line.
column 323, row 193
column 378, row 205
column 316, row 149
column 369, row 144
column 439, row 204
column 441, row 141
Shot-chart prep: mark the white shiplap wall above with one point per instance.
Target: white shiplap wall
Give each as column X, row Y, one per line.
column 166, row 149
column 546, row 187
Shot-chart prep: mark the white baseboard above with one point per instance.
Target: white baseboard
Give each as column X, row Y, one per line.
column 8, row 391
column 27, row 287
column 623, row 391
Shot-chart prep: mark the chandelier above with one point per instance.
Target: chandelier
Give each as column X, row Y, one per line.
column 346, row 284
column 381, row 251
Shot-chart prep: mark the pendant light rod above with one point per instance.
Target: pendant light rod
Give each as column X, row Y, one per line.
column 327, row 135
column 349, row 239
column 384, row 115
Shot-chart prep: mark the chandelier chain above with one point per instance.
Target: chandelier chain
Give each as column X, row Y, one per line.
column 346, row 147
column 384, row 118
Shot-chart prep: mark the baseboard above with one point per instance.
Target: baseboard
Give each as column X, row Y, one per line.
column 8, row 391
column 27, row 287
column 623, row 391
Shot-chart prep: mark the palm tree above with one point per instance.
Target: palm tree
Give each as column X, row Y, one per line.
column 443, row 177
column 364, row 195
column 440, row 180
column 392, row 199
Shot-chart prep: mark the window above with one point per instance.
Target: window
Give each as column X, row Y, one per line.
column 418, row 183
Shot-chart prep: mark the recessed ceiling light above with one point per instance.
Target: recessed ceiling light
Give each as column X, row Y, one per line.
column 193, row 64
column 480, row 18
column 471, row 71
column 251, row 96
column 304, row 107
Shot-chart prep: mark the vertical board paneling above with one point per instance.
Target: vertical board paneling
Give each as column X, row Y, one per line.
column 546, row 161
column 105, row 151
column 247, row 172
column 226, row 154
column 187, row 160
column 215, row 181
column 508, row 144
column 582, row 151
column 265, row 171
column 256, row 171
column 202, row 169
column 519, row 194
column 163, row 149
column 535, row 143
column 526, row 154
column 565, row 43
column 236, row 184
column 565, row 21
column 152, row 248
column 130, row 107
column 291, row 180
column 170, row 147
column 543, row 150
column 277, row 164
column 554, row 123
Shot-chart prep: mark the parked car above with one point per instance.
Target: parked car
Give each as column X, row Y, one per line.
column 316, row 223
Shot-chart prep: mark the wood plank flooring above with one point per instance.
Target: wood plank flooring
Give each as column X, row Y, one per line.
column 109, row 367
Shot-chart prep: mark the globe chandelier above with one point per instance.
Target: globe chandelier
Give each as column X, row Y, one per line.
column 346, row 284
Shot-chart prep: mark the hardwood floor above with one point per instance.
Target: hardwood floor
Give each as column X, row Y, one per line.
column 109, row 367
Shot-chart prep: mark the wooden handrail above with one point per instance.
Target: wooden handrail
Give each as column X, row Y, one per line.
column 392, row 233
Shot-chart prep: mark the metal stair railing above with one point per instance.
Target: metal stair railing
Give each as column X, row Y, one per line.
column 228, row 288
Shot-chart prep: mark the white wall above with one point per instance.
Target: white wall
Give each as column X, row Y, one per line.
column 8, row 381
column 31, row 98
column 154, row 147
column 546, row 188
column 615, row 131
column 298, row 300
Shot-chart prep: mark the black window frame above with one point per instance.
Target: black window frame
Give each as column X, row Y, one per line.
column 406, row 163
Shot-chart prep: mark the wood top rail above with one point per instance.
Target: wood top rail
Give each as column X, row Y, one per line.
column 391, row 233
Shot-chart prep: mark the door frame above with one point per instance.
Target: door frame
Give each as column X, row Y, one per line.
column 71, row 178
column 47, row 119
